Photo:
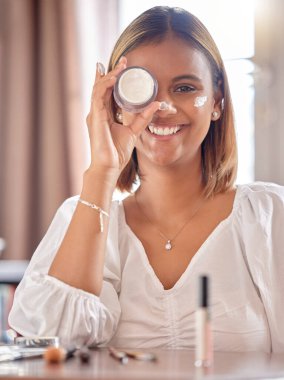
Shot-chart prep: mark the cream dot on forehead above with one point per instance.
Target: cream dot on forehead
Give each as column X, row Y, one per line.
column 136, row 86
column 200, row 101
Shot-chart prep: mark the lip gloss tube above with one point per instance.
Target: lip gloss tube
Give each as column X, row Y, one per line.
column 203, row 344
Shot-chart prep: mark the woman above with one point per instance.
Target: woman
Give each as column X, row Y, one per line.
column 125, row 273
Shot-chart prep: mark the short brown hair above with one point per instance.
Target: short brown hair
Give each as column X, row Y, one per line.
column 219, row 148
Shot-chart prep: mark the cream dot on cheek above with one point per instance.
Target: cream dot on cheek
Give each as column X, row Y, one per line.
column 200, row 101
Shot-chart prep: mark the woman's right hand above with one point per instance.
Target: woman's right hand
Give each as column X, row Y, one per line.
column 112, row 143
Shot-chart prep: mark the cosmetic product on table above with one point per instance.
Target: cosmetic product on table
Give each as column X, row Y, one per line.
column 118, row 355
column 14, row 352
column 55, row 355
column 203, row 345
column 141, row 355
column 37, row 341
column 124, row 355
column 30, row 348
column 84, row 355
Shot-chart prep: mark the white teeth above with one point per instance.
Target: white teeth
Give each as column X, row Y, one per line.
column 176, row 129
column 163, row 131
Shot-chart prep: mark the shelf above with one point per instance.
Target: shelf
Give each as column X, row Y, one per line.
column 12, row 271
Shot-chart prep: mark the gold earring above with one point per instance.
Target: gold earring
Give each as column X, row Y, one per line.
column 119, row 117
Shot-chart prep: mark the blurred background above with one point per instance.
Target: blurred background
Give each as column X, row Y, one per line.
column 48, row 55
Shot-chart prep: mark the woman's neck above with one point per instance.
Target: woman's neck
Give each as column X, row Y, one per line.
column 170, row 191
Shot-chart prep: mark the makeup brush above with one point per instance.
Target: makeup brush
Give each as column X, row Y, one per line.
column 55, row 355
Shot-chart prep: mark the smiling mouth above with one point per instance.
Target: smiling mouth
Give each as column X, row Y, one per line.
column 165, row 130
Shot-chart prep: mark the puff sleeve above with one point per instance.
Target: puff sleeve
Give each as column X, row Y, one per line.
column 262, row 220
column 45, row 306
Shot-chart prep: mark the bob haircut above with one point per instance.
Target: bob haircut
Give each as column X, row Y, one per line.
column 219, row 148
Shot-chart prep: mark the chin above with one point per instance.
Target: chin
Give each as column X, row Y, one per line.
column 164, row 161
column 163, row 158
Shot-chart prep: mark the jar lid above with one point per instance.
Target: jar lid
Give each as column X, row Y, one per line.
column 135, row 88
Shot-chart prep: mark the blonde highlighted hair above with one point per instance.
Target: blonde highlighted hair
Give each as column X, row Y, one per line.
column 219, row 148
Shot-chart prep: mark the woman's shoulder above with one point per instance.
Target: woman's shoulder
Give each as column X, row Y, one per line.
column 260, row 187
column 260, row 199
column 261, row 191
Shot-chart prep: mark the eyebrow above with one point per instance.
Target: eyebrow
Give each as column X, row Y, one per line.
column 187, row 76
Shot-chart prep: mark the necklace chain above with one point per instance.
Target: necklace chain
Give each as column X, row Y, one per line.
column 169, row 242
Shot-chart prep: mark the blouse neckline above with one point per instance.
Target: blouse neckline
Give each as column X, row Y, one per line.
column 202, row 249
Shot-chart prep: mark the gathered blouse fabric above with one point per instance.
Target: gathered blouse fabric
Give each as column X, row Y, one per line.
column 244, row 257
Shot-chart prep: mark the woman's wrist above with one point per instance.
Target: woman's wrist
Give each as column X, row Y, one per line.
column 107, row 176
column 99, row 184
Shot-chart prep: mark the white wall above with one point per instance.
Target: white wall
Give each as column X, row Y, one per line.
column 269, row 97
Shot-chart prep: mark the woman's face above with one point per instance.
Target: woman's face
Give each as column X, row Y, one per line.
column 184, row 81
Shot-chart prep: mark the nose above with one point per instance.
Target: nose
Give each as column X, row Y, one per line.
column 166, row 105
column 167, row 108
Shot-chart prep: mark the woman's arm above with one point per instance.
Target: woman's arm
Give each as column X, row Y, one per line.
column 80, row 259
column 45, row 306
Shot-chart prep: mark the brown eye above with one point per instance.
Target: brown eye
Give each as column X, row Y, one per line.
column 185, row 88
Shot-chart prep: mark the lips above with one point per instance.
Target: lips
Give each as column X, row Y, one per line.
column 165, row 130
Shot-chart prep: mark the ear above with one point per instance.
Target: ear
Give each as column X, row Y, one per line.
column 218, row 102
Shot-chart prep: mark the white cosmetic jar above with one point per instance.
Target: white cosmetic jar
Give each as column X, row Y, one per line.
column 134, row 89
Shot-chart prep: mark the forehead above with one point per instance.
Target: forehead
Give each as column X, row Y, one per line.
column 170, row 57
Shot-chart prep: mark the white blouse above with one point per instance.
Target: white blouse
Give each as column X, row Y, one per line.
column 244, row 257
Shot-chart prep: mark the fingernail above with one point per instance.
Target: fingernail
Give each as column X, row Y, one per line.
column 121, row 64
column 164, row 106
column 101, row 68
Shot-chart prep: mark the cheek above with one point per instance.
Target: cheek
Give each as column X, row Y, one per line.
column 200, row 101
column 196, row 105
column 203, row 109
column 204, row 120
column 201, row 118
column 203, row 102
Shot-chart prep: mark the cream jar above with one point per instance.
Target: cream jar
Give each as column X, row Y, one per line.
column 135, row 89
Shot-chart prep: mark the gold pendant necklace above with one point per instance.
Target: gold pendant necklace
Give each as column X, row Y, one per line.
column 169, row 242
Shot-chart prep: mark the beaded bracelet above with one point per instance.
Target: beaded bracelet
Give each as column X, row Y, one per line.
column 97, row 208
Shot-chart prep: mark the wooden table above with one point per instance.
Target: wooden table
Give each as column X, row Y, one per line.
column 171, row 364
